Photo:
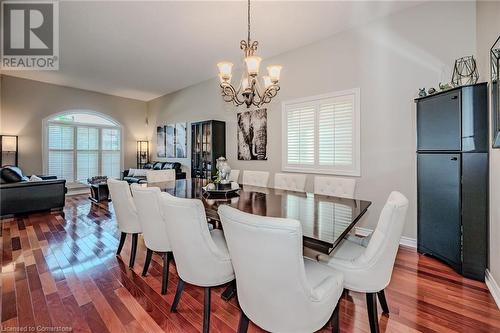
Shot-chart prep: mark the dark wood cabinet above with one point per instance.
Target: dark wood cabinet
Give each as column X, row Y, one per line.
column 452, row 178
column 208, row 143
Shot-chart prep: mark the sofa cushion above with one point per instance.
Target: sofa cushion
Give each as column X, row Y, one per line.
column 137, row 172
column 171, row 165
column 157, row 165
column 148, row 166
column 12, row 174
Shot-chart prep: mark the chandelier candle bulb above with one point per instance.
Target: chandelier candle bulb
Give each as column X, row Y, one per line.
column 274, row 72
column 253, row 64
column 225, row 69
column 267, row 81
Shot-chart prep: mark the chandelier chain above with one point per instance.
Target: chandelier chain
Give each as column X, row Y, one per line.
column 248, row 22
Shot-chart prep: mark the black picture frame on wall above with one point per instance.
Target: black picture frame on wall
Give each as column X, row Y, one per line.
column 495, row 93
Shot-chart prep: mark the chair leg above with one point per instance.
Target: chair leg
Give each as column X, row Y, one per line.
column 383, row 302
column 206, row 311
column 178, row 293
column 243, row 324
column 371, row 302
column 336, row 319
column 133, row 250
column 230, row 291
column 166, row 264
column 123, row 236
column 149, row 255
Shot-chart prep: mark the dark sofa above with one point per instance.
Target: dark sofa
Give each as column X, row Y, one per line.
column 19, row 196
column 156, row 166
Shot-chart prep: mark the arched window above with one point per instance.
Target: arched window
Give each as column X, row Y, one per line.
column 82, row 144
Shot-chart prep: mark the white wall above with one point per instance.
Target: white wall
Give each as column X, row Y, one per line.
column 24, row 103
column 488, row 30
column 388, row 60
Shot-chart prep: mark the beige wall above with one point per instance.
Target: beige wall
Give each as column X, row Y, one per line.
column 388, row 60
column 24, row 103
column 488, row 30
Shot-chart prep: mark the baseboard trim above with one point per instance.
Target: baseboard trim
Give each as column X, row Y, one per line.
column 492, row 286
column 404, row 241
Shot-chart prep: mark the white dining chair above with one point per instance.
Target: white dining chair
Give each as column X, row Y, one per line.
column 158, row 176
column 335, row 186
column 367, row 264
column 234, row 176
column 154, row 228
column 201, row 255
column 290, row 182
column 278, row 290
column 126, row 215
column 255, row 178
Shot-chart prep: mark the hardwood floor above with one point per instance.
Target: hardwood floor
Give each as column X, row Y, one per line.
column 62, row 272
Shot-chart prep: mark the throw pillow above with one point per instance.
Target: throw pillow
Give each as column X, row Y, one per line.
column 137, row 173
column 35, row 178
column 11, row 174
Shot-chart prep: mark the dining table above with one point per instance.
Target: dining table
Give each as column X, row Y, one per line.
column 325, row 220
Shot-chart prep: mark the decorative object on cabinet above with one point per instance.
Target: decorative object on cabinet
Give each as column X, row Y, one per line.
column 252, row 135
column 249, row 87
column 208, row 142
column 495, row 92
column 431, row 91
column 9, row 146
column 452, row 178
column 465, row 72
column 160, row 142
column 142, row 153
column 421, row 92
column 445, row 86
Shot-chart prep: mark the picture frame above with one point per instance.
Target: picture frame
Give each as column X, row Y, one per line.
column 495, row 93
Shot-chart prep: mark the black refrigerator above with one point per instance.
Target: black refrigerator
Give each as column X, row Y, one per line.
column 452, row 178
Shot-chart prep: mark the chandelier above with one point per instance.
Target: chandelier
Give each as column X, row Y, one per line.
column 249, row 91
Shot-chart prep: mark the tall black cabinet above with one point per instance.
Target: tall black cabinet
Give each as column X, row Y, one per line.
column 208, row 143
column 452, row 178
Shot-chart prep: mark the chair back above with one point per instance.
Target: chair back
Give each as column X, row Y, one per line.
column 158, row 176
column 290, row 182
column 154, row 228
column 255, row 178
column 126, row 213
column 335, row 186
column 234, row 176
column 199, row 260
column 380, row 254
column 273, row 290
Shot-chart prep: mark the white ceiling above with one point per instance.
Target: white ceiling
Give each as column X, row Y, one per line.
column 143, row 50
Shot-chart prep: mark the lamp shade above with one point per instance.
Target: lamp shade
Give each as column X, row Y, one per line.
column 225, row 69
column 253, row 64
column 274, row 72
column 9, row 143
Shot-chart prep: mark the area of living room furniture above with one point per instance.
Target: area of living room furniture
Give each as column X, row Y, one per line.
column 139, row 175
column 20, row 194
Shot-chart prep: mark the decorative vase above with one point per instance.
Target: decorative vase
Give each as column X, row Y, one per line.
column 223, row 170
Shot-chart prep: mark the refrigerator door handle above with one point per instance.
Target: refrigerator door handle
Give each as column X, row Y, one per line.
column 454, row 159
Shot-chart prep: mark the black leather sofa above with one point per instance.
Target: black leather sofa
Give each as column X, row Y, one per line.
column 20, row 196
column 155, row 166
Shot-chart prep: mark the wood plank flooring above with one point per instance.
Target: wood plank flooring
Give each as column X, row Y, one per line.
column 62, row 272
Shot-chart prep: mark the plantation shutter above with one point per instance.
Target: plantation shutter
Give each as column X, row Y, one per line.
column 87, row 156
column 336, row 132
column 60, row 151
column 321, row 134
column 300, row 135
column 111, row 145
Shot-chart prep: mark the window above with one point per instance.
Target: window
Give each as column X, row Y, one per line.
column 321, row 134
column 82, row 145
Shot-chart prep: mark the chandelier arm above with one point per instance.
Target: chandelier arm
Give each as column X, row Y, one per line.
column 230, row 94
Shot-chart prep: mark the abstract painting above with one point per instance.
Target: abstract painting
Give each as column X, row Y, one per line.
column 170, row 140
column 181, row 140
column 160, row 142
column 252, row 135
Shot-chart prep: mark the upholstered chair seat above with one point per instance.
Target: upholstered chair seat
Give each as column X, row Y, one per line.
column 154, row 228
column 334, row 186
column 126, row 215
column 201, row 256
column 367, row 264
column 278, row 290
column 234, row 175
column 255, row 178
column 290, row 182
